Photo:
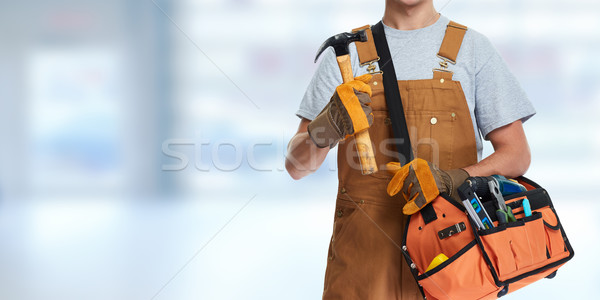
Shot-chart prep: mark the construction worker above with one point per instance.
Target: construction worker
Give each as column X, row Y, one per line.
column 470, row 95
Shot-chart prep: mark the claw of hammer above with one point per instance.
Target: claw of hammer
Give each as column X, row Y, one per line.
column 340, row 42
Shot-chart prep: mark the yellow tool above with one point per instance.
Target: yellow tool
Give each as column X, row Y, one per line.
column 440, row 258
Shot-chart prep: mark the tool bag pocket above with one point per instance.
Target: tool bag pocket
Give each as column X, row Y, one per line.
column 485, row 264
column 467, row 265
column 442, row 227
column 556, row 244
column 517, row 247
column 555, row 239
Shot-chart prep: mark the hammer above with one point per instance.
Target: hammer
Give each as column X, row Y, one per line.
column 340, row 43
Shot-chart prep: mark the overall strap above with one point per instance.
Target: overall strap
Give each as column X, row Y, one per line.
column 392, row 95
column 450, row 45
column 367, row 53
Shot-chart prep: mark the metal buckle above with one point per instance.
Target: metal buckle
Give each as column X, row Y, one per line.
column 371, row 67
column 452, row 230
column 442, row 70
column 446, row 60
column 444, row 64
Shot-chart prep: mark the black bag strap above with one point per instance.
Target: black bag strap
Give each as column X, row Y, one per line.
column 392, row 95
column 428, row 213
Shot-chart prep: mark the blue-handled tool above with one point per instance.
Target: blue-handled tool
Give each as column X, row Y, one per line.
column 508, row 186
column 526, row 207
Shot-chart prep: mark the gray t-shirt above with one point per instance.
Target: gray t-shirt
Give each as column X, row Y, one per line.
column 493, row 94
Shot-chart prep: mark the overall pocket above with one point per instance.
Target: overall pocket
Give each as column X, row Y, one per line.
column 432, row 136
column 345, row 210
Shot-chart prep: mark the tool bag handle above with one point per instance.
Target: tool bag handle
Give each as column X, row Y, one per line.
column 392, row 94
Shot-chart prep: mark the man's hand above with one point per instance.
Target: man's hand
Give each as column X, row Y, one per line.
column 303, row 157
column 346, row 113
column 420, row 182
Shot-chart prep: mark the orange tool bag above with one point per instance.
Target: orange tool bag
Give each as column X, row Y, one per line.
column 488, row 263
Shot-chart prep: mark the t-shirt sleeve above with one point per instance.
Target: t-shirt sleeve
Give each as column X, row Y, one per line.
column 321, row 87
column 499, row 98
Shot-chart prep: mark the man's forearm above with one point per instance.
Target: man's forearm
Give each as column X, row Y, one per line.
column 507, row 162
column 511, row 157
column 303, row 157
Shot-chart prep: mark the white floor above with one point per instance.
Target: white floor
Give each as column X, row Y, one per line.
column 202, row 249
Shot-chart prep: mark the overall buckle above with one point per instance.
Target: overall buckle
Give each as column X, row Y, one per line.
column 371, row 66
column 444, row 64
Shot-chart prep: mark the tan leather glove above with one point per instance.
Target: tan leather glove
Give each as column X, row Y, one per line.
column 346, row 113
column 421, row 181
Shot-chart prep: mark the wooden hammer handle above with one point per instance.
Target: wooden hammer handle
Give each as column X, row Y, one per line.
column 364, row 146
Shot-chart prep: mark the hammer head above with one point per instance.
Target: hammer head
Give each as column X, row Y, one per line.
column 340, row 42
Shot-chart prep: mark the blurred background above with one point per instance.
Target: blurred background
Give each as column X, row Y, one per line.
column 144, row 142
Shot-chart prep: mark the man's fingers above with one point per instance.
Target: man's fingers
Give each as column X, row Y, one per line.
column 397, row 182
column 393, row 167
column 366, row 78
column 363, row 98
column 360, row 86
column 414, row 197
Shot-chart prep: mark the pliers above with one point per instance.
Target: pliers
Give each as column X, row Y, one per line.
column 504, row 213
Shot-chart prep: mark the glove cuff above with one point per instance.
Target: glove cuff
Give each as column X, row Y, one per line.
column 457, row 177
column 323, row 131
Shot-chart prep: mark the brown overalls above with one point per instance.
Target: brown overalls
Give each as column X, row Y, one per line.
column 364, row 259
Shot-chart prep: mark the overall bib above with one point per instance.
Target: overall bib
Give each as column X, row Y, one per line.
column 364, row 258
